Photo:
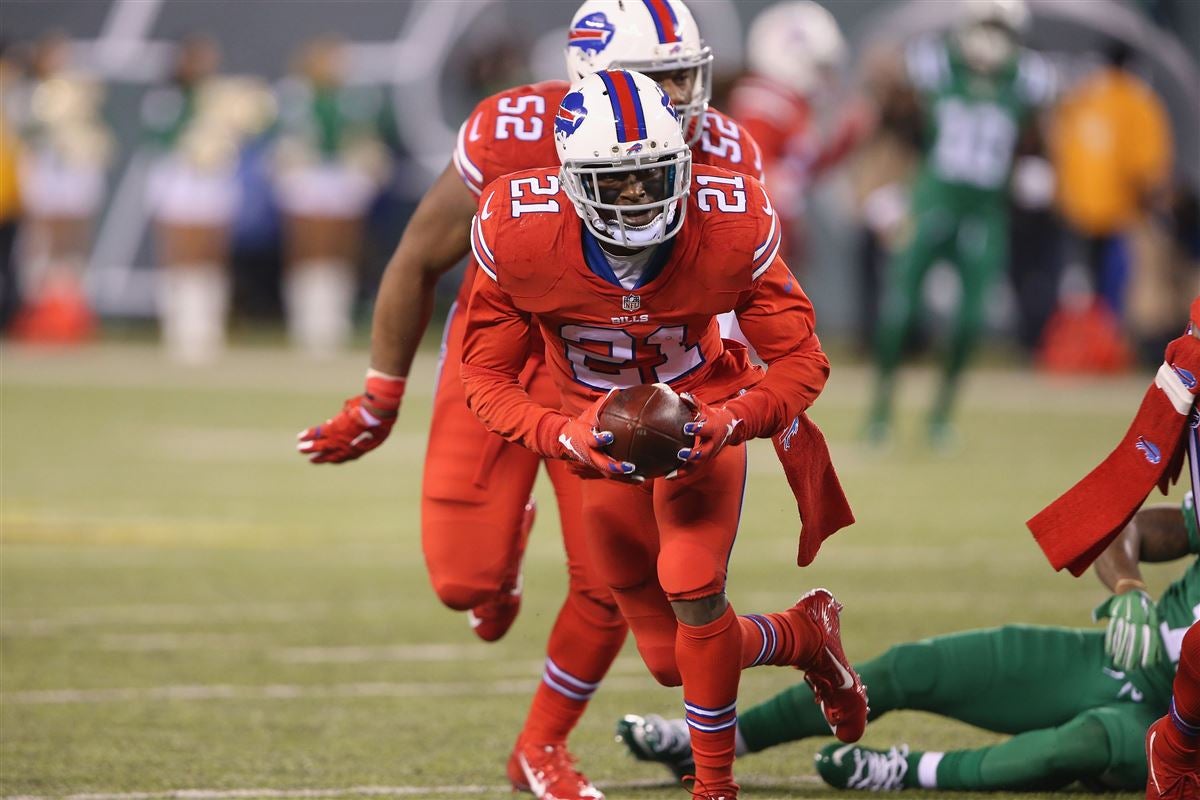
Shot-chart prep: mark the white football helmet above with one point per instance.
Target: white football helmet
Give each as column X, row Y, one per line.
column 612, row 123
column 646, row 36
column 989, row 30
column 795, row 44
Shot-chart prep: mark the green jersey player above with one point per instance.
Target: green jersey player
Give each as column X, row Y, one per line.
column 1077, row 702
column 977, row 90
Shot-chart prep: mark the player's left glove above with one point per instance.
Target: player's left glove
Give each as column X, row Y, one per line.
column 361, row 426
column 1132, row 639
column 713, row 428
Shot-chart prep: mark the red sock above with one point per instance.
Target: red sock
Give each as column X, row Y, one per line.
column 782, row 640
column 585, row 640
column 1184, row 732
column 708, row 663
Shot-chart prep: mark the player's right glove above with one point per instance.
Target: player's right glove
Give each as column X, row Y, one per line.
column 361, row 426
column 1132, row 639
column 581, row 441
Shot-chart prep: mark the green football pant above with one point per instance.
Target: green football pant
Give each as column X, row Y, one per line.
column 1048, row 684
column 976, row 243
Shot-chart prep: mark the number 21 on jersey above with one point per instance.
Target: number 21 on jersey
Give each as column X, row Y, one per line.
column 619, row 359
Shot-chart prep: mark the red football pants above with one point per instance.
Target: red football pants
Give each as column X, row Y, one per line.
column 664, row 541
column 475, row 489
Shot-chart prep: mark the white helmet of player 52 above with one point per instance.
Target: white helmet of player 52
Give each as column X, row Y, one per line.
column 610, row 124
column 795, row 44
column 646, row 36
column 988, row 31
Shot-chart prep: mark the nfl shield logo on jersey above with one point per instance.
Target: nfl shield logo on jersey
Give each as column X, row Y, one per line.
column 631, row 302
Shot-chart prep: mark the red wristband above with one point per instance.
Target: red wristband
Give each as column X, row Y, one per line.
column 384, row 391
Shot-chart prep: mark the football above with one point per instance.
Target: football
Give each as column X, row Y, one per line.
column 647, row 422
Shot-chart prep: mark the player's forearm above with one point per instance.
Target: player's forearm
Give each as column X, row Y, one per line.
column 435, row 239
column 506, row 409
column 792, row 385
column 1154, row 535
column 1117, row 567
column 403, row 309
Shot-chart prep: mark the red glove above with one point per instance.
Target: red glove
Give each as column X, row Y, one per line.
column 713, row 428
column 361, row 426
column 580, row 441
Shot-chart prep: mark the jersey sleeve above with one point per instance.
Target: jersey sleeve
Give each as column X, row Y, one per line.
column 927, row 64
column 471, row 149
column 777, row 319
column 1037, row 79
column 496, row 350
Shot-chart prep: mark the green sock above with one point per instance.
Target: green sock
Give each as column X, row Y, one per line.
column 1044, row 759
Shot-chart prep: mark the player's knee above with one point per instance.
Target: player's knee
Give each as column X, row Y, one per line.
column 660, row 660
column 688, row 570
column 461, row 596
column 1081, row 747
column 911, row 667
column 596, row 605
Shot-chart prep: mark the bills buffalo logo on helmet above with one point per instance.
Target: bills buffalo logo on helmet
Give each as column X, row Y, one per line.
column 1149, row 450
column 571, row 114
column 636, row 147
column 591, row 34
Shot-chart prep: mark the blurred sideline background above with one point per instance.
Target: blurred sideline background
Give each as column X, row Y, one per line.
column 188, row 608
column 113, row 75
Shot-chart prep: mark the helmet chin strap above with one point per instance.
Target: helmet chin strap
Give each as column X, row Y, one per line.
column 639, row 235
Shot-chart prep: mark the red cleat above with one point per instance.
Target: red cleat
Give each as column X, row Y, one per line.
column 702, row 791
column 1174, row 775
column 492, row 619
column 548, row 772
column 836, row 686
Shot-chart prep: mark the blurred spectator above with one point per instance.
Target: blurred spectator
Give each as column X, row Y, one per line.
column 330, row 163
column 1036, row 239
column 881, row 173
column 978, row 88
column 62, row 172
column 1165, row 251
column 795, row 52
column 1112, row 152
column 10, row 192
column 197, row 123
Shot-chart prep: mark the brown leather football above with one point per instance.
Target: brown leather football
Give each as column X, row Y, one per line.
column 647, row 427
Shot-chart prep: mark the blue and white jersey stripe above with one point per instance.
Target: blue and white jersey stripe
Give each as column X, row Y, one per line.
column 470, row 173
column 765, row 253
column 483, row 253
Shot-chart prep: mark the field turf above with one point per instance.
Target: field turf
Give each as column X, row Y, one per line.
column 188, row 608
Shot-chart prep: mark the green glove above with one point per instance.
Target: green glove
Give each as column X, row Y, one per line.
column 1132, row 639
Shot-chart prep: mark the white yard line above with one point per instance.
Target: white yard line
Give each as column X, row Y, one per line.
column 286, row 691
column 376, row 791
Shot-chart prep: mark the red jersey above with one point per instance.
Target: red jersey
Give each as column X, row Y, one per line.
column 514, row 130
column 544, row 270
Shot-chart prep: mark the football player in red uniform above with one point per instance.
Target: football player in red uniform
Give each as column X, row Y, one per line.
column 621, row 262
column 794, row 50
column 474, row 524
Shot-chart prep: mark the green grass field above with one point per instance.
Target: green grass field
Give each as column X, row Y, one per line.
column 190, row 607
